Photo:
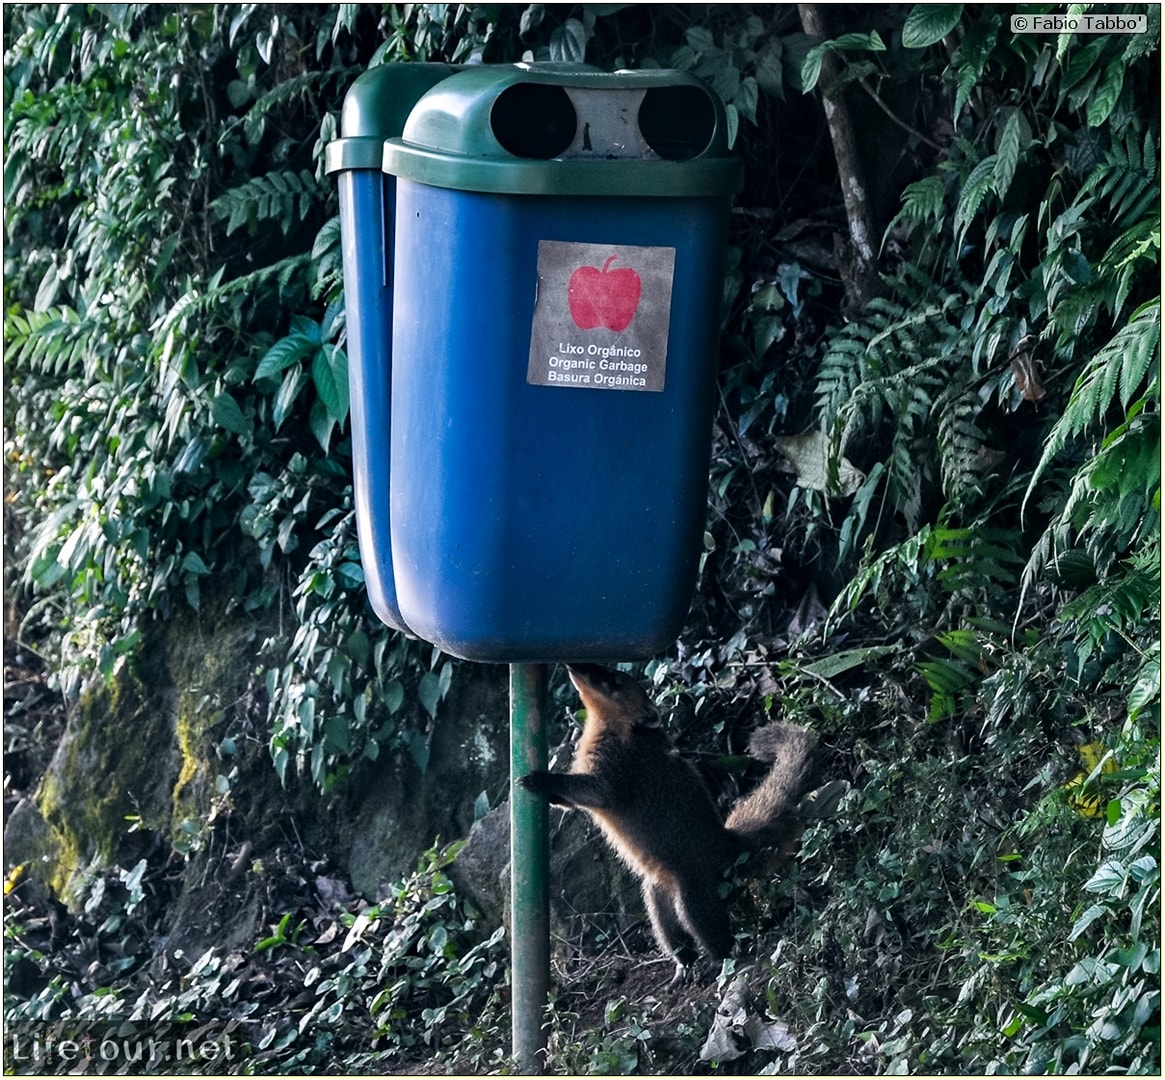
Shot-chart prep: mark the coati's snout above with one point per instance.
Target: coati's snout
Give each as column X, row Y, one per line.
column 594, row 676
column 612, row 695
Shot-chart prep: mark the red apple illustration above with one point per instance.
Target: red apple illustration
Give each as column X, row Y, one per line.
column 604, row 297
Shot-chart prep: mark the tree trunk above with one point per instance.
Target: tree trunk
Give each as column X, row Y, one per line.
column 860, row 274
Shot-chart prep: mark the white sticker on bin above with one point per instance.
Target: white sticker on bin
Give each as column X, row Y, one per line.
column 601, row 316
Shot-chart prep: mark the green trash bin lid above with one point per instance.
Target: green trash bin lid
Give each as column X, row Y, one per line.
column 551, row 129
column 376, row 107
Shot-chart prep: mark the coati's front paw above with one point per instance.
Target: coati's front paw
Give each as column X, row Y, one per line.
column 545, row 784
column 538, row 782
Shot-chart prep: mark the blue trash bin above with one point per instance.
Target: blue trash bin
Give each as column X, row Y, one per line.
column 375, row 108
column 559, row 271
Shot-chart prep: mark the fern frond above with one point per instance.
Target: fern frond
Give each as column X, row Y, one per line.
column 1118, row 368
column 52, row 341
column 1129, row 597
column 286, row 197
column 950, row 683
column 979, row 183
column 899, row 331
column 904, row 560
column 960, row 443
column 906, row 473
column 975, row 558
column 1110, row 502
column 1042, row 555
column 1149, row 155
column 839, row 375
column 1139, row 243
column 288, row 89
column 193, row 302
column 922, row 204
column 1142, row 44
column 1126, row 179
column 897, row 363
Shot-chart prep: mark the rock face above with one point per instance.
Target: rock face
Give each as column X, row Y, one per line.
column 173, row 756
column 585, row 876
column 27, row 836
column 147, row 754
column 399, row 811
column 116, row 766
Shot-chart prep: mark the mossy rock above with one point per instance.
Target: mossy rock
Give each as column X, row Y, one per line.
column 144, row 758
column 114, row 768
column 137, row 754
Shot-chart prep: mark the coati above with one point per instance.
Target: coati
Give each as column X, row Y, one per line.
column 659, row 816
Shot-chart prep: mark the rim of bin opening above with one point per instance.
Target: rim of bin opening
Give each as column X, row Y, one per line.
column 461, row 134
column 661, row 179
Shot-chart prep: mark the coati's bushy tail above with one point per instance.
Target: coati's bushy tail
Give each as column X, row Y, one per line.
column 763, row 817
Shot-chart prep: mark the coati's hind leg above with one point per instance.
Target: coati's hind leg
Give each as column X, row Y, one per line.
column 686, row 918
column 703, row 914
column 665, row 924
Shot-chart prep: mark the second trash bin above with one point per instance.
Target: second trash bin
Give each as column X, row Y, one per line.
column 558, row 271
column 376, row 107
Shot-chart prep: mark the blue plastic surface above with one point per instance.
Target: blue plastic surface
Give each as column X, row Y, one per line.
column 365, row 216
column 376, row 107
column 530, row 522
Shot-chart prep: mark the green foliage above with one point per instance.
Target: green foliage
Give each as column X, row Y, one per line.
column 196, row 397
column 306, row 356
column 415, row 965
column 931, row 356
column 1017, row 269
column 811, row 66
column 178, row 403
column 1112, row 496
column 375, row 984
column 949, row 922
column 928, row 24
column 283, row 197
column 621, row 1048
column 749, row 61
column 1001, row 400
column 909, row 362
column 338, row 689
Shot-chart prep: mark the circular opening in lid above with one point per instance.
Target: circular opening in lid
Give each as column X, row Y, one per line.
column 677, row 122
column 531, row 120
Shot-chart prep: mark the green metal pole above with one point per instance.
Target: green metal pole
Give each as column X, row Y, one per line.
column 529, row 867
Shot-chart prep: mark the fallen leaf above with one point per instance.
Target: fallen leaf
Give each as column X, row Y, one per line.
column 735, row 1031
column 808, row 454
column 1023, row 371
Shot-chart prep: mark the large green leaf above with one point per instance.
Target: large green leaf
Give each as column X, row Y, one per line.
column 930, row 23
column 285, row 352
column 228, row 414
column 811, row 66
column 329, row 372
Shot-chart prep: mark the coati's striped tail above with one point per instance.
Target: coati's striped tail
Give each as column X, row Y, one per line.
column 763, row 817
